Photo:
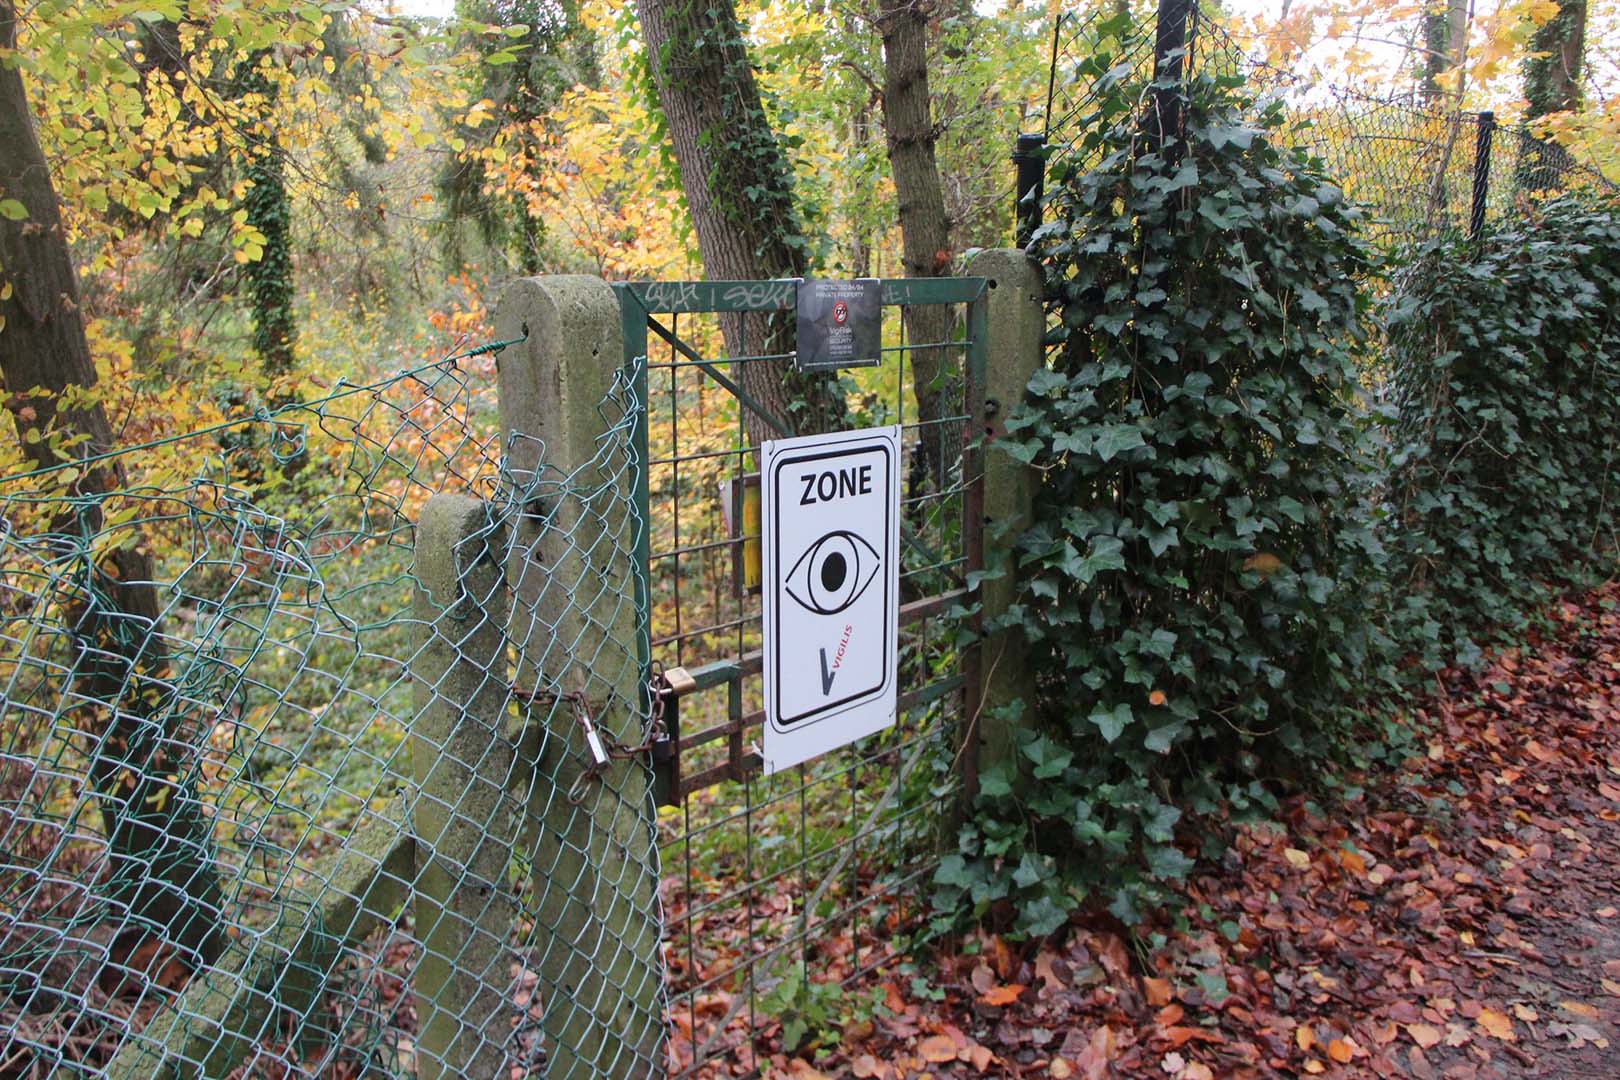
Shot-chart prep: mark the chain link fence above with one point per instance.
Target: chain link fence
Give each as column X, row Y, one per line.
column 373, row 764
column 1418, row 166
column 350, row 786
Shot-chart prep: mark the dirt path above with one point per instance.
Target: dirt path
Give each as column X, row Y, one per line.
column 1459, row 920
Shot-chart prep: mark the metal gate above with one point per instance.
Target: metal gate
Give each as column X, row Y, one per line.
column 783, row 894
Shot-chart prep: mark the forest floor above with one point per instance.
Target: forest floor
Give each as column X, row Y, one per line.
column 1460, row 919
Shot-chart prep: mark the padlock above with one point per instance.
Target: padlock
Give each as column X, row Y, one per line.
column 668, row 688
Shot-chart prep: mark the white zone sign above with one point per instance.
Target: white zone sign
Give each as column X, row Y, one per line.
column 831, row 539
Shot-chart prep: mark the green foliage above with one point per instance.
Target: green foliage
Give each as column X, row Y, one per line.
column 270, row 276
column 1188, row 592
column 532, row 53
column 1506, row 360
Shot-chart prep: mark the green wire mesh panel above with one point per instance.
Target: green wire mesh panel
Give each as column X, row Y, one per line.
column 789, row 898
column 297, row 806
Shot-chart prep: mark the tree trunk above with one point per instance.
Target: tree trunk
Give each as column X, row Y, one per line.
column 1552, row 75
column 1552, row 84
column 924, row 229
column 119, row 690
column 1445, row 41
column 270, row 277
column 738, row 188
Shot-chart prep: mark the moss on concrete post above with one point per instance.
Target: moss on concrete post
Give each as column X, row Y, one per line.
column 574, row 627
column 464, row 820
column 1017, row 323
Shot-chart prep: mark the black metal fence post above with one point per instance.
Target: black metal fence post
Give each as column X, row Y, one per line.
column 1170, row 42
column 1482, row 173
column 1030, row 157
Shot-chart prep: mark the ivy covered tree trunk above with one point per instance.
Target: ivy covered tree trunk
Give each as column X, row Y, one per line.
column 559, row 51
column 270, row 277
column 1445, row 40
column 738, row 188
column 1552, row 84
column 925, row 233
column 117, row 689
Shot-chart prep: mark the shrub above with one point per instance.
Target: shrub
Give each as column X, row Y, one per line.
column 1506, row 363
column 1188, row 591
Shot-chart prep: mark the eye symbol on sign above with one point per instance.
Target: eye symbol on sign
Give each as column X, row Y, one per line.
column 833, row 573
column 840, row 313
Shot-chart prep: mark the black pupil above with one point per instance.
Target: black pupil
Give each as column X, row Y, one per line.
column 832, row 571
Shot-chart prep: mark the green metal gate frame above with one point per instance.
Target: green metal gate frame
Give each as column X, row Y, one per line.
column 640, row 305
column 641, row 302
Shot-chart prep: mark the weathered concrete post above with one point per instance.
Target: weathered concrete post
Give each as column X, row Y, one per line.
column 1017, row 322
column 464, row 818
column 574, row 627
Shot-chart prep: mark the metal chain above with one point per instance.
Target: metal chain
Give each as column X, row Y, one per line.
column 601, row 746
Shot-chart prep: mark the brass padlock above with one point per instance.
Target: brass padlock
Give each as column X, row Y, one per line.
column 668, row 688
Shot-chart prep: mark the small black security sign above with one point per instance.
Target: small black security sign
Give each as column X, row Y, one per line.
column 840, row 324
column 831, row 532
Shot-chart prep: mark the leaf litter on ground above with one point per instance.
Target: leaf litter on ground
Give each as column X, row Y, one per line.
column 1455, row 920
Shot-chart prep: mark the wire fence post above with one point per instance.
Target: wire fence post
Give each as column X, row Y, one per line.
column 1482, row 173
column 462, row 759
column 1030, row 159
column 575, row 627
column 1016, row 326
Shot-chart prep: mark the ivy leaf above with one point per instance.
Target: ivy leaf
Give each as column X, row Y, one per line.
column 1115, row 439
column 1111, row 722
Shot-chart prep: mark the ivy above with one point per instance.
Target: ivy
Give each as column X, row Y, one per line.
column 1190, row 590
column 1506, row 356
column 1236, row 556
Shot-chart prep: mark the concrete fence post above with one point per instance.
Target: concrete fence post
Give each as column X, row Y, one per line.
column 465, row 825
column 574, row 626
column 1017, row 323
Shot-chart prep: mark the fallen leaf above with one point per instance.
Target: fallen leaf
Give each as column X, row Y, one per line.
column 865, row 1067
column 1424, row 1035
column 1173, row 1063
column 1157, row 698
column 1526, row 1013
column 1304, row 1038
column 1296, row 858
column 1264, row 563
column 1341, row 1050
column 1157, row 991
column 1197, row 1070
column 1313, row 1066
column 980, row 1057
column 1580, row 1009
column 937, row 1049
column 1002, row 995
column 1496, row 1025
column 1061, row 1069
